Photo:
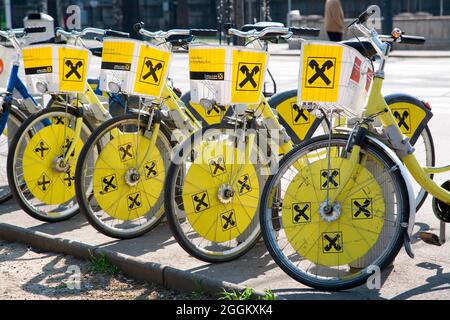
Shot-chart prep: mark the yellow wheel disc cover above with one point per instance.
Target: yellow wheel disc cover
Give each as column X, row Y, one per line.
column 43, row 181
column 114, row 195
column 356, row 229
column 211, row 218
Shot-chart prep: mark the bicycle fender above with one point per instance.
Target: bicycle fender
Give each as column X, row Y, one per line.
column 411, row 198
column 412, row 114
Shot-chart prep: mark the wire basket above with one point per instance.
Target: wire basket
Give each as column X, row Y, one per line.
column 134, row 67
column 226, row 75
column 334, row 76
column 56, row 68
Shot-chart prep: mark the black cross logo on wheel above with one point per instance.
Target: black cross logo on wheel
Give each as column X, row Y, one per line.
column 66, row 146
column 320, row 71
column 151, row 69
column 109, row 183
column 150, row 169
column 201, row 201
column 331, row 178
column 126, row 152
column 300, row 114
column 134, row 201
column 43, row 182
column 217, row 166
column 363, row 209
column 302, row 212
column 244, row 184
column 249, row 75
column 42, row 149
column 332, row 242
column 74, row 69
column 68, row 179
column 59, row 120
column 228, row 219
column 402, row 117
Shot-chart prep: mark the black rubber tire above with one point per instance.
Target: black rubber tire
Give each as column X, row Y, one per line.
column 81, row 197
column 11, row 158
column 279, row 256
column 171, row 216
column 433, row 162
column 20, row 117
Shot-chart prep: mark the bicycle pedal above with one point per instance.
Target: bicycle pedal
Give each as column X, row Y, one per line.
column 430, row 238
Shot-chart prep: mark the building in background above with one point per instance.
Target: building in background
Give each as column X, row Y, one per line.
column 163, row 14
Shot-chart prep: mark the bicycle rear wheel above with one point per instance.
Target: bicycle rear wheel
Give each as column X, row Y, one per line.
column 334, row 246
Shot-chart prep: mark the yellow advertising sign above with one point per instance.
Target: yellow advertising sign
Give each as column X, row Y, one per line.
column 73, row 66
column 152, row 71
column 321, row 69
column 248, row 72
column 117, row 55
column 207, row 63
column 38, row 60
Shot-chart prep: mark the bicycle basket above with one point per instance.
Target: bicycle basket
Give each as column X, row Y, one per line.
column 333, row 75
column 56, row 68
column 226, row 75
column 134, row 67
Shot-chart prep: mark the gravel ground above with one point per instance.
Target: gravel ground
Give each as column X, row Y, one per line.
column 27, row 273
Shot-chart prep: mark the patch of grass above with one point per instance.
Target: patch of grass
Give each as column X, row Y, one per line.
column 247, row 294
column 101, row 264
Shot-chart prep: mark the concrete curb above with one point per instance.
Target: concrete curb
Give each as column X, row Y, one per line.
column 136, row 268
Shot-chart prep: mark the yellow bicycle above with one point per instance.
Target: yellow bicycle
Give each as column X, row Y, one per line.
column 341, row 206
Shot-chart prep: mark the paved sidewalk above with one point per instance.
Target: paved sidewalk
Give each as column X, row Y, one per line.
column 158, row 255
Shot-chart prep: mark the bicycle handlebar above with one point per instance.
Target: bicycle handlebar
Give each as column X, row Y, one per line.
column 139, row 27
column 275, row 31
column 86, row 31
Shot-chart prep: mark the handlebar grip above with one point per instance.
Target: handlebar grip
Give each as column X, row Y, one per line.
column 138, row 26
column 203, row 32
column 34, row 29
column 413, row 40
column 305, row 32
column 118, row 34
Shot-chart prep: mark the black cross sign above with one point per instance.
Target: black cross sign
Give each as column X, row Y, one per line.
column 300, row 113
column 200, row 202
column 152, row 70
column 59, row 120
column 215, row 108
column 401, row 118
column 151, row 169
column 245, row 186
column 301, row 212
column 41, row 149
column 73, row 68
column 134, row 201
column 108, row 183
column 69, row 178
column 126, row 151
column 217, row 165
column 43, row 182
column 228, row 220
column 330, row 178
column 320, row 71
column 362, row 208
column 249, row 76
column 333, row 243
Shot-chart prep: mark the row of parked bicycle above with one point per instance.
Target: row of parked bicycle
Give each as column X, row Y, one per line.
column 128, row 149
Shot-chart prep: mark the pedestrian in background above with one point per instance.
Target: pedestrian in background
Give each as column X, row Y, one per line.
column 334, row 20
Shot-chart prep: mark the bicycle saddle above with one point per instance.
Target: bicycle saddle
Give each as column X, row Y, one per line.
column 261, row 25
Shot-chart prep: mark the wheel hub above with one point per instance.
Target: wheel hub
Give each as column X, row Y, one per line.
column 328, row 212
column 132, row 177
column 225, row 194
column 59, row 165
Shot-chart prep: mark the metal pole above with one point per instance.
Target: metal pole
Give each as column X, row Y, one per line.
column 442, row 8
column 8, row 15
column 387, row 15
column 288, row 20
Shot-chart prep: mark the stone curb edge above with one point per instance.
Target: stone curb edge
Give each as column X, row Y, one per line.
column 136, row 268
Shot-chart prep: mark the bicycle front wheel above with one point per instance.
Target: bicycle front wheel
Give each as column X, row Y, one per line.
column 42, row 183
column 120, row 177
column 211, row 197
column 338, row 245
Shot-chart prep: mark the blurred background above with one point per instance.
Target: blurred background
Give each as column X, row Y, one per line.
column 429, row 18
